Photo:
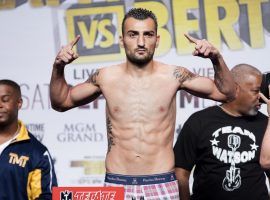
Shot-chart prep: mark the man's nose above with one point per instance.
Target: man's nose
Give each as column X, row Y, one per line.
column 141, row 41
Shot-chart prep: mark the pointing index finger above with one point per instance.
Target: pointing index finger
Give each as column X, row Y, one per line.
column 191, row 39
column 74, row 42
column 263, row 97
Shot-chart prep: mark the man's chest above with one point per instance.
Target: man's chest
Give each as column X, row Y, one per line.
column 145, row 97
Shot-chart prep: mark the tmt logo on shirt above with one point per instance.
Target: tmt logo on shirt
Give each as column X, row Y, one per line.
column 18, row 160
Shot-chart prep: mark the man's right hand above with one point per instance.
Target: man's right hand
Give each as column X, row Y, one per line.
column 203, row 48
column 66, row 55
column 266, row 100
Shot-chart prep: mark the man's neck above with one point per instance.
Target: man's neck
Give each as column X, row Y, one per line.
column 231, row 109
column 8, row 131
column 140, row 71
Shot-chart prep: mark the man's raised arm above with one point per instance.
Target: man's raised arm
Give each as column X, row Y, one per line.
column 223, row 87
column 64, row 97
column 265, row 149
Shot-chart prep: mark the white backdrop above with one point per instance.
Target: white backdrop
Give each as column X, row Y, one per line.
column 33, row 31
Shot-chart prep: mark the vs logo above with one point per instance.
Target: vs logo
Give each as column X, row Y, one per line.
column 99, row 29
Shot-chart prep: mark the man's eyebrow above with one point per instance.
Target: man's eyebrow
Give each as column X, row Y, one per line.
column 132, row 31
column 149, row 32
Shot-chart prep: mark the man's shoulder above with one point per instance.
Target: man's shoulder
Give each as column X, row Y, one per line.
column 164, row 66
column 164, row 69
column 202, row 116
column 36, row 144
column 106, row 74
column 119, row 66
column 112, row 69
column 205, row 112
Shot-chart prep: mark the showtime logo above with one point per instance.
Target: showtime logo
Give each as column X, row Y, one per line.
column 88, row 193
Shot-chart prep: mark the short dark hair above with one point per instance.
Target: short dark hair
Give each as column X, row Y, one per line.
column 241, row 71
column 12, row 84
column 140, row 14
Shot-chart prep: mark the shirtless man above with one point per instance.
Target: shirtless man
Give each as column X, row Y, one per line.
column 141, row 105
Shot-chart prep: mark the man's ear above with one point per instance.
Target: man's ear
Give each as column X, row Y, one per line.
column 157, row 43
column 121, row 42
column 237, row 90
column 20, row 102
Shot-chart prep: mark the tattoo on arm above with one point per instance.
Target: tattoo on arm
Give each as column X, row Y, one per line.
column 93, row 78
column 219, row 79
column 219, row 82
column 182, row 75
column 110, row 135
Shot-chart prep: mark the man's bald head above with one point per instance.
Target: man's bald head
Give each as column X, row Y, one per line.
column 242, row 72
column 248, row 79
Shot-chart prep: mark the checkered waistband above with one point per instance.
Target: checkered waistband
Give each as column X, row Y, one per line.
column 140, row 180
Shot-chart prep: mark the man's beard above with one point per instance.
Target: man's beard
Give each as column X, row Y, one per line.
column 253, row 111
column 7, row 121
column 138, row 61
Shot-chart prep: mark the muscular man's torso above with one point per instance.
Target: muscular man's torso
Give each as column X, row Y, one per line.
column 140, row 113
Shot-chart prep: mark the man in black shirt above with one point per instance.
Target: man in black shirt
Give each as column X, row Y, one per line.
column 224, row 142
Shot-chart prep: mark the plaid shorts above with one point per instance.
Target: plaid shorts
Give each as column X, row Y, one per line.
column 152, row 187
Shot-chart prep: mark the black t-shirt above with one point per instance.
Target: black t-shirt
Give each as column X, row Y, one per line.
column 225, row 150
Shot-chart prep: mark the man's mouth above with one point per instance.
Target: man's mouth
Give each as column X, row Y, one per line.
column 258, row 106
column 2, row 113
column 140, row 50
